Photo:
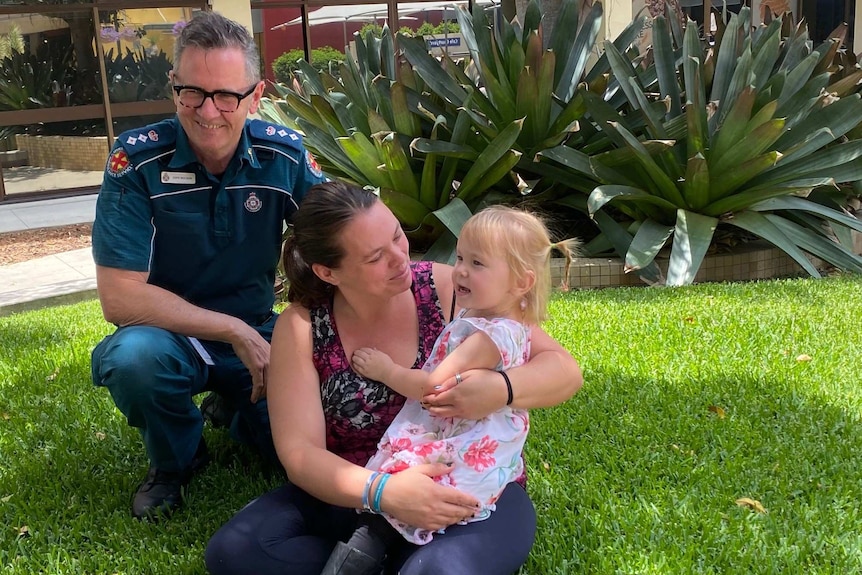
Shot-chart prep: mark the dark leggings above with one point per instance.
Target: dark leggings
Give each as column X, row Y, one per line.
column 289, row 531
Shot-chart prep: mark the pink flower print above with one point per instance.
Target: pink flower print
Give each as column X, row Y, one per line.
column 395, row 467
column 480, row 454
column 413, row 429
column 400, row 443
column 428, row 449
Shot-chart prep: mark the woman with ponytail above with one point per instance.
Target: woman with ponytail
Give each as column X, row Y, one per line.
column 353, row 288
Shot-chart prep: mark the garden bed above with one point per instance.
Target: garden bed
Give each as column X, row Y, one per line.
column 16, row 247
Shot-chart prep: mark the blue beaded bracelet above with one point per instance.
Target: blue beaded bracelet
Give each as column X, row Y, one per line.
column 366, row 493
column 375, row 506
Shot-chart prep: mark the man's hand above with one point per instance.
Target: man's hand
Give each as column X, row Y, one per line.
column 253, row 351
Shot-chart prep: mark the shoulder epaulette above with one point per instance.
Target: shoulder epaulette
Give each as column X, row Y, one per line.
column 270, row 132
column 150, row 137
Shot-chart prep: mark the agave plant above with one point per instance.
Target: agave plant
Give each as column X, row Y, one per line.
column 439, row 137
column 736, row 136
column 511, row 77
column 367, row 125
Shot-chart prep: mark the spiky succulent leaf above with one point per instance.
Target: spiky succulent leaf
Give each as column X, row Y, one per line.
column 691, row 239
column 817, row 244
column 650, row 238
column 759, row 225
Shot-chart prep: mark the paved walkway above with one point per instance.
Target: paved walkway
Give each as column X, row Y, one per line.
column 51, row 280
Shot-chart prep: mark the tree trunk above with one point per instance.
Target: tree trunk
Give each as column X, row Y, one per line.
column 85, row 87
column 82, row 32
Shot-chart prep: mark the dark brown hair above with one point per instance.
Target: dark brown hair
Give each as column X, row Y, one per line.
column 316, row 239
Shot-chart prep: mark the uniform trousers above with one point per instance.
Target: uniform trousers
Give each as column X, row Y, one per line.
column 153, row 374
column 289, row 531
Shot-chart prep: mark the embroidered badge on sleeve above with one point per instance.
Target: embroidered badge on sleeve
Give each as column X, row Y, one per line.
column 312, row 164
column 118, row 164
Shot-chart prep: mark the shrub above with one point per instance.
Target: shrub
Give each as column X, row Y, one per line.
column 322, row 59
column 375, row 29
column 447, row 27
column 425, row 29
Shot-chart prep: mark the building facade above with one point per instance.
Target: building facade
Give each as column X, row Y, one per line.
column 88, row 70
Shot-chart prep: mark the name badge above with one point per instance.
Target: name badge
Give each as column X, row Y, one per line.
column 178, row 178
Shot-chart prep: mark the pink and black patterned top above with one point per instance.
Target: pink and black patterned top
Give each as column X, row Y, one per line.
column 358, row 410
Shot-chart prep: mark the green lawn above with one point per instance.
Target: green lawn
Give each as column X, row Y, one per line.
column 694, row 398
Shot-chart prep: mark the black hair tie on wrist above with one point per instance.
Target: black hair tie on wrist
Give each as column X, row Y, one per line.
column 508, row 387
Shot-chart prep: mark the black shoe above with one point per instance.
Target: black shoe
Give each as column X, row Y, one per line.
column 162, row 491
column 347, row 560
column 216, row 411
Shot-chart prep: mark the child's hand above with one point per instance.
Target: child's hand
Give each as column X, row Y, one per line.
column 372, row 364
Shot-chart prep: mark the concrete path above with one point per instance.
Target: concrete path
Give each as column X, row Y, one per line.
column 63, row 278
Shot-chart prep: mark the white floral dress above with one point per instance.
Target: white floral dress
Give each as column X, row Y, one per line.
column 486, row 453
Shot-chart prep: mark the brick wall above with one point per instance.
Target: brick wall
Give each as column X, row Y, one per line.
column 66, row 152
column 751, row 261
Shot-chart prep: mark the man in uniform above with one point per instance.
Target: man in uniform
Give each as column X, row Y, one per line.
column 186, row 241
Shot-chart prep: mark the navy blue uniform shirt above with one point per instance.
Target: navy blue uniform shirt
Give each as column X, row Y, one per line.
column 214, row 241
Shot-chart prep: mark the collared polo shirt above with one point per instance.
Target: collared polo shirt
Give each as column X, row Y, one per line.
column 214, row 241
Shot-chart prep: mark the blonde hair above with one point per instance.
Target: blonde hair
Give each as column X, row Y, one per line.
column 522, row 239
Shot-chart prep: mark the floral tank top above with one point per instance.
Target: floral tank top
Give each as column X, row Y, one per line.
column 358, row 410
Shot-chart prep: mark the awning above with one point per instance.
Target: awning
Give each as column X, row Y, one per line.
column 373, row 12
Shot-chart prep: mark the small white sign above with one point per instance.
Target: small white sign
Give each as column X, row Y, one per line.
column 178, row 178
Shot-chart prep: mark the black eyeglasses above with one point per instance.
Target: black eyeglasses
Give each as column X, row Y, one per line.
column 224, row 100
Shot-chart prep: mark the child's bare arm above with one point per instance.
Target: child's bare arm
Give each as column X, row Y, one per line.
column 478, row 351
column 377, row 365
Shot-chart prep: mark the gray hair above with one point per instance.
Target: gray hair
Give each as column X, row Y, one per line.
column 211, row 30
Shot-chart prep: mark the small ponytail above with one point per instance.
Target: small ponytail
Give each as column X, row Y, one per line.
column 571, row 249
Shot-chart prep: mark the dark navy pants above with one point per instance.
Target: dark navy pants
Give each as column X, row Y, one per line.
column 153, row 374
column 289, row 531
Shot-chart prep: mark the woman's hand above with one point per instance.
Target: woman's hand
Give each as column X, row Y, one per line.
column 551, row 377
column 414, row 498
column 480, row 393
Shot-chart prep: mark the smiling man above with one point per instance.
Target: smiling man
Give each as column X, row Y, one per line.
column 186, row 241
